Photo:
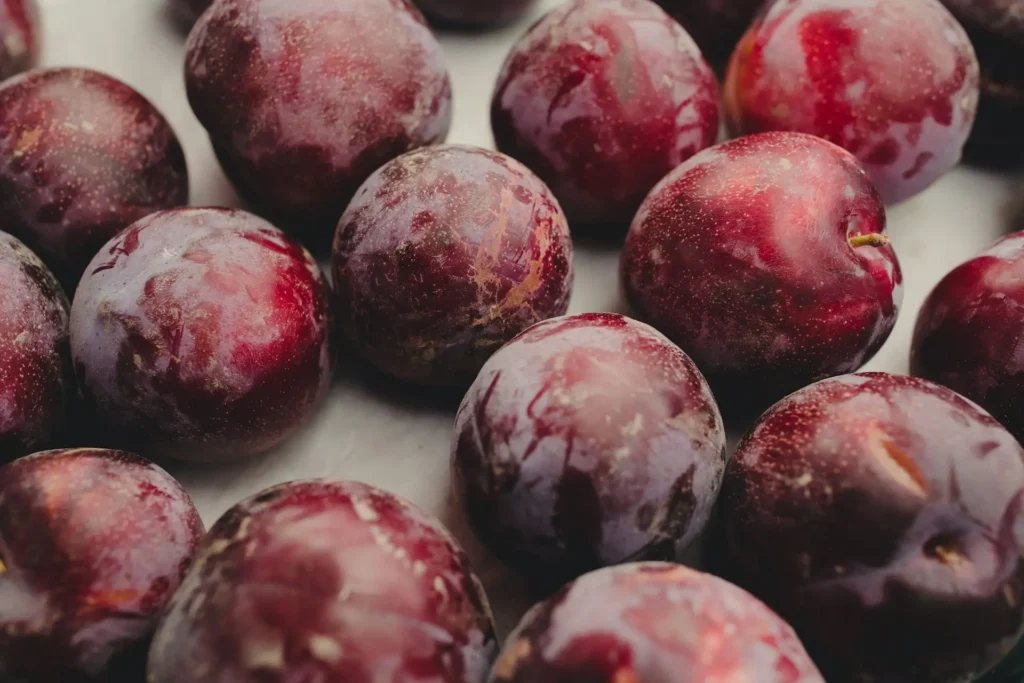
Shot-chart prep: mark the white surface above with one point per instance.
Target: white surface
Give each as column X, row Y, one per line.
column 397, row 437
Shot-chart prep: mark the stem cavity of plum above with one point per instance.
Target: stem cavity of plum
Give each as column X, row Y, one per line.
column 870, row 240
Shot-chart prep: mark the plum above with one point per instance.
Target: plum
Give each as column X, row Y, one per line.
column 189, row 10
column 882, row 516
column 602, row 98
column 326, row 581
column 586, row 441
column 444, row 255
column 203, row 334
column 304, row 99
column 36, row 381
column 474, row 13
column 893, row 82
column 92, row 545
column 716, row 25
column 652, row 622
column 19, row 36
column 765, row 259
column 82, row 157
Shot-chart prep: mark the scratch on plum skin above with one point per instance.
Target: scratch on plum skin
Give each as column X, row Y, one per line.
column 586, row 441
column 882, row 516
column 320, row 580
column 92, row 545
column 444, row 255
column 206, row 334
column 653, row 621
column 893, row 82
column 304, row 99
column 473, row 13
column 20, row 41
column 602, row 98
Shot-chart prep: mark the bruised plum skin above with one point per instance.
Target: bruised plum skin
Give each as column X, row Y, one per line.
column 894, row 82
column 82, row 157
column 92, row 545
column 587, row 441
column 602, row 98
column 35, row 366
column 19, row 36
column 716, row 25
column 326, row 581
column 444, row 255
column 304, row 99
column 204, row 334
column 882, row 516
column 652, row 622
column 765, row 259
column 474, row 13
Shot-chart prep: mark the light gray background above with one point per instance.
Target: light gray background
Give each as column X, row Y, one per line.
column 396, row 437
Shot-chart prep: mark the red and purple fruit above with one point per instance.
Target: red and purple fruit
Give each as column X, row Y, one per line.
column 602, row 98
column 716, row 25
column 894, row 82
column 587, row 441
column 444, row 255
column 882, row 516
column 19, row 36
column 203, row 334
column 326, row 581
column 474, row 13
column 92, row 545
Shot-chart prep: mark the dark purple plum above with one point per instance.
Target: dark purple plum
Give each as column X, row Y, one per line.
column 716, row 25
column 189, row 10
column 474, row 13
column 19, row 36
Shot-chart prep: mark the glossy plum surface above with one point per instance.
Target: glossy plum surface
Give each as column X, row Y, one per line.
column 326, row 581
column 893, row 82
column 602, row 98
column 203, row 334
column 19, row 36
column 652, row 622
column 304, row 99
column 92, row 545
column 882, row 515
column 444, row 255
column 474, row 13
column 716, row 25
column 588, row 440
column 765, row 259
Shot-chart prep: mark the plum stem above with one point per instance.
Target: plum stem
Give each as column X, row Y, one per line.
column 3, row 567
column 871, row 240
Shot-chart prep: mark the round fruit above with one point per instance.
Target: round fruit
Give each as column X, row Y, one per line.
column 474, row 13
column 717, row 26
column 19, row 36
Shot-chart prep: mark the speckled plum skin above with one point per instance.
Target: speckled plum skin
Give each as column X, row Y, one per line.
column 204, row 334
column 19, row 36
column 602, row 98
column 304, row 99
column 893, row 82
column 474, row 13
column 82, row 157
column 35, row 365
column 881, row 515
column 968, row 329
column 743, row 257
column 326, row 581
column 587, row 441
column 716, row 25
column 444, row 255
column 653, row 622
column 92, row 545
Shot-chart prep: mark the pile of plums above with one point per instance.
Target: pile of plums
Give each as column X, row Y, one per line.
column 868, row 528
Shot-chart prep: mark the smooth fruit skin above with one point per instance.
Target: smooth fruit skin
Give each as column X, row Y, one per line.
column 326, row 581
column 304, row 99
column 881, row 515
column 474, row 13
column 967, row 332
column 203, row 334
column 716, row 25
column 92, row 545
column 894, row 82
column 587, row 441
column 36, row 381
column 602, row 98
column 741, row 257
column 652, row 622
column 82, row 157
column 444, row 255
column 19, row 36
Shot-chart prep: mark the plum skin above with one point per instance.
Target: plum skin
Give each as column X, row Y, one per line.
column 82, row 156
column 36, row 381
column 905, row 114
column 444, row 255
column 321, row 580
column 92, row 545
column 880, row 515
column 19, row 36
column 716, row 26
column 301, row 112
column 762, row 289
column 588, row 440
column 602, row 99
column 473, row 13
column 203, row 334
column 653, row 621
